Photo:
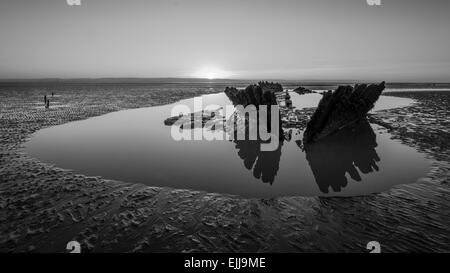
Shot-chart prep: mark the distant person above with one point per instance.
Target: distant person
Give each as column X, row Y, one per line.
column 288, row 101
column 47, row 104
column 52, row 94
column 45, row 99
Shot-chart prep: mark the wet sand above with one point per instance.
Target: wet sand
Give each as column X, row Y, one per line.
column 43, row 207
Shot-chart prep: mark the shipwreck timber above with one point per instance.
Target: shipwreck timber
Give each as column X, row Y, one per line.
column 341, row 108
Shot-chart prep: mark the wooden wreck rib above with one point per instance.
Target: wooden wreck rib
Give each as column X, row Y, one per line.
column 262, row 93
column 193, row 120
column 341, row 108
column 302, row 90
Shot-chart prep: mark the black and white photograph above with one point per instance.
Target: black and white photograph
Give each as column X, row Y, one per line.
column 195, row 127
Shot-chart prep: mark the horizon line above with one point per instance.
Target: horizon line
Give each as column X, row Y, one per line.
column 50, row 79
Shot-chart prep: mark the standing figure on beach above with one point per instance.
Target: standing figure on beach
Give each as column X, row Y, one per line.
column 52, row 94
column 288, row 101
column 47, row 103
column 45, row 99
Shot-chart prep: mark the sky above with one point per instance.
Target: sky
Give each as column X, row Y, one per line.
column 401, row 40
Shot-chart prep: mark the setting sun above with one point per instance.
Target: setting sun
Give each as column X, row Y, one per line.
column 211, row 73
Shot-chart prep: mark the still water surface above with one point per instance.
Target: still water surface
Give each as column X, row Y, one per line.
column 135, row 146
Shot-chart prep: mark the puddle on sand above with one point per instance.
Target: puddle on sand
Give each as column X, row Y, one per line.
column 135, row 146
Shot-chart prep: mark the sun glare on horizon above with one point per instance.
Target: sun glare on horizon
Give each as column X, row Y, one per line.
column 211, row 73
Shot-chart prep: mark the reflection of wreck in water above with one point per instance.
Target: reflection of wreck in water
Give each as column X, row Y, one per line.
column 347, row 151
column 338, row 138
column 265, row 164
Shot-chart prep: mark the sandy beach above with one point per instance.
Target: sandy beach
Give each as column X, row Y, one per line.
column 42, row 207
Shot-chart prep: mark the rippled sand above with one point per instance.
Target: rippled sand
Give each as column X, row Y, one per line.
column 43, row 207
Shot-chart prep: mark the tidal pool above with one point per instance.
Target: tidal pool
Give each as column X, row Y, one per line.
column 135, row 146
